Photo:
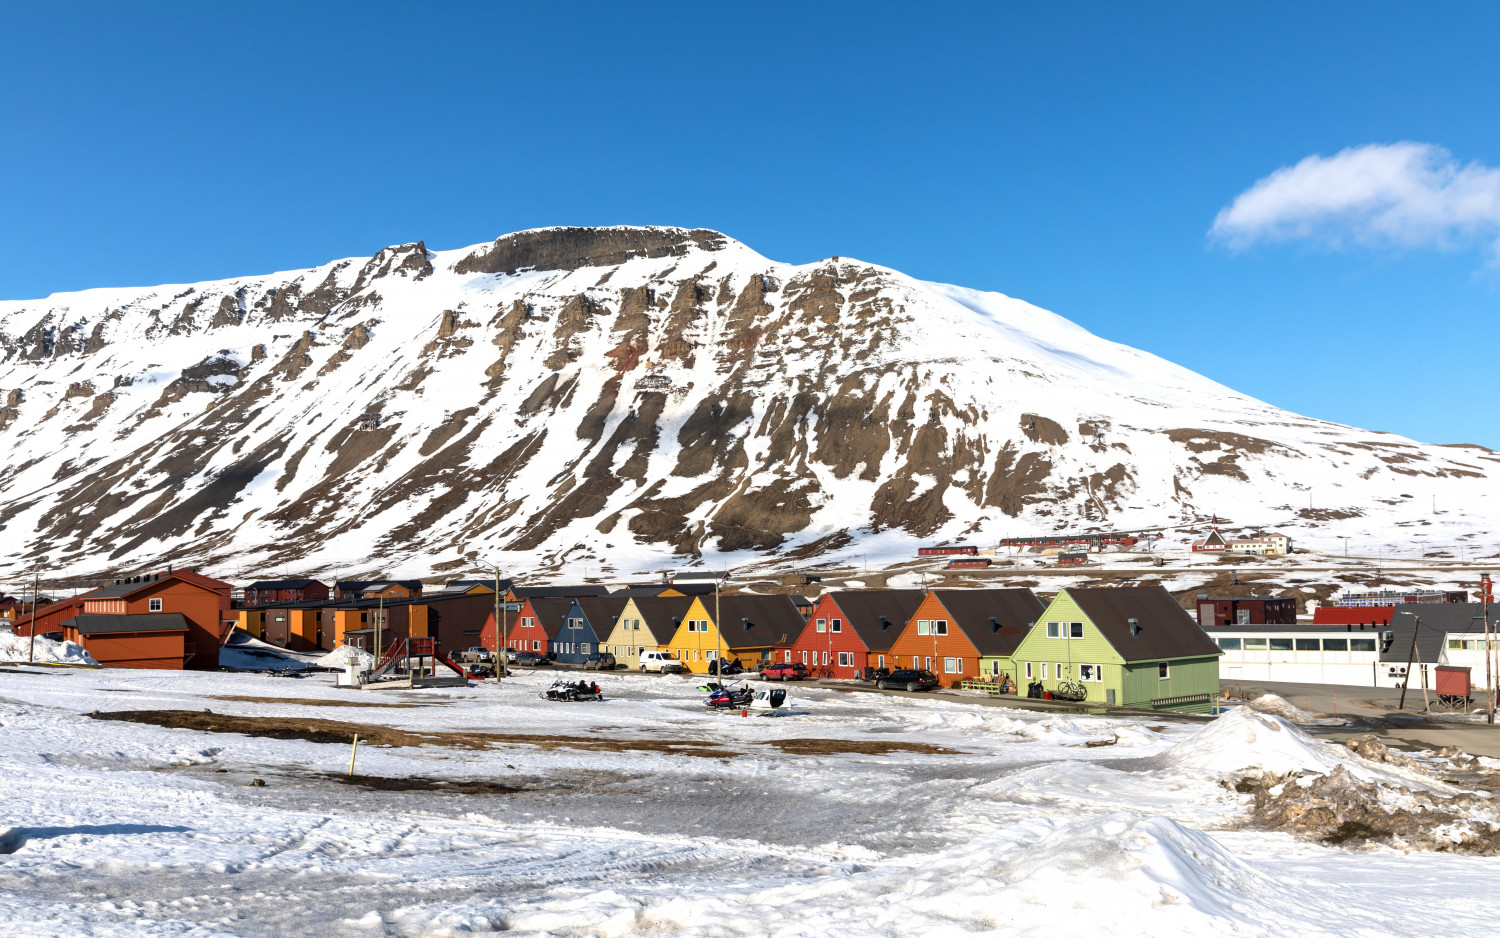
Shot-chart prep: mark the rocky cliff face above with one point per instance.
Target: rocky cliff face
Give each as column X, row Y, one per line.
column 629, row 398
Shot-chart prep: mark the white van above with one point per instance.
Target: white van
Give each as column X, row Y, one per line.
column 659, row 661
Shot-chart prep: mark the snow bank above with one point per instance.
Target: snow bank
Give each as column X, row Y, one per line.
column 1245, row 740
column 1280, row 706
column 343, row 655
column 17, row 648
column 245, row 653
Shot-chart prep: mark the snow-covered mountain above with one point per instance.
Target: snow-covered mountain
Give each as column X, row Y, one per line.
column 629, row 398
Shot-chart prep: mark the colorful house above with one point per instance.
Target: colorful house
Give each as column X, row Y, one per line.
column 850, row 630
column 265, row 592
column 753, row 628
column 646, row 623
column 537, row 623
column 375, row 589
column 1126, row 646
column 151, row 607
column 577, row 641
column 966, row 634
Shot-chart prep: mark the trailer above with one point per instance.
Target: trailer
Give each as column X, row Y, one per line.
column 975, row 563
column 959, row 550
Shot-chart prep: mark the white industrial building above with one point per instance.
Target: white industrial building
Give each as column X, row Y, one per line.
column 1446, row 634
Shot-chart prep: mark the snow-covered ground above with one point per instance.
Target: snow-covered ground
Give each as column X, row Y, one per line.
column 121, row 828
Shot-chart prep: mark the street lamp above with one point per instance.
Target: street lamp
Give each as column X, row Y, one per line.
column 501, row 608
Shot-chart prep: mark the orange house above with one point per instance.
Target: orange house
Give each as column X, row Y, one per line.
column 150, row 607
column 952, row 629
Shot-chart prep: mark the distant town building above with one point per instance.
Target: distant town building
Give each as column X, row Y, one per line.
column 1265, row 545
column 1247, row 610
column 1401, row 597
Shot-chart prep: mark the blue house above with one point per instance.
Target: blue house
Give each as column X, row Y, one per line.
column 579, row 634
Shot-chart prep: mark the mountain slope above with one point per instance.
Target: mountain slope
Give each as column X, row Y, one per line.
column 628, row 398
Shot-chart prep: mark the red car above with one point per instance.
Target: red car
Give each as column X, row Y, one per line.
column 784, row 671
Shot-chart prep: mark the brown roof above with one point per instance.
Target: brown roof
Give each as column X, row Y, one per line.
column 864, row 609
column 994, row 620
column 602, row 612
column 662, row 614
column 749, row 620
column 1166, row 629
column 550, row 612
column 93, row 623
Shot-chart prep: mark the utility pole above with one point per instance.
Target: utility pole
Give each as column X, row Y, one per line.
column 1411, row 656
column 502, row 609
column 1489, row 688
column 36, row 579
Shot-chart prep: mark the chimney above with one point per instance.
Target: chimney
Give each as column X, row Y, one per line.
column 994, row 624
column 884, row 624
column 1135, row 627
column 746, row 622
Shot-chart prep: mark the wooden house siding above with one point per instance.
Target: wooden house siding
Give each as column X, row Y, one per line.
column 629, row 636
column 930, row 651
column 156, row 650
column 820, row 648
column 577, row 640
column 696, row 641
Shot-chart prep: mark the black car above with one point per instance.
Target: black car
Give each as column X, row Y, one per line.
column 530, row 659
column 908, row 679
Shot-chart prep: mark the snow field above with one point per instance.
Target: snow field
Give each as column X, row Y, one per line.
column 130, row 829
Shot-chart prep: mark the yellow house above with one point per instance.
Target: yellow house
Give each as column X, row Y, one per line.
column 647, row 623
column 754, row 627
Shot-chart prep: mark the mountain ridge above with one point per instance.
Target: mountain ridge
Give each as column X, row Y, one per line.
column 631, row 398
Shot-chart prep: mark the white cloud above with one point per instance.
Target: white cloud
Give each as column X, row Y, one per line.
column 1403, row 195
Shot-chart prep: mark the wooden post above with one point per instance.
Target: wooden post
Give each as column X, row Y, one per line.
column 353, row 751
column 36, row 580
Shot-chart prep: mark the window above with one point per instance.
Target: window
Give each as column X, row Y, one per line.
column 1455, row 644
column 804, row 657
column 788, row 656
column 921, row 626
column 1093, row 673
column 1335, row 644
column 1162, row 671
column 881, row 659
column 1229, row 644
column 1307, row 644
column 951, row 666
column 536, row 646
column 584, row 648
column 939, row 626
column 929, row 664
column 1028, row 670
column 154, row 605
column 1363, row 644
column 1281, row 644
column 1044, row 671
column 846, row 659
column 1075, row 630
column 1059, row 672
column 1054, row 630
column 709, row 655
column 1255, row 644
column 822, row 625
column 837, row 625
column 825, row 657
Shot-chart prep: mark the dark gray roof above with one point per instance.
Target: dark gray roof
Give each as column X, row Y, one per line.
column 281, row 584
column 550, row 612
column 1300, row 627
column 662, row 614
column 125, row 587
column 863, row 610
column 749, row 620
column 361, row 585
column 994, row 620
column 1167, row 631
column 1437, row 621
column 602, row 612
column 94, row 623
column 533, row 592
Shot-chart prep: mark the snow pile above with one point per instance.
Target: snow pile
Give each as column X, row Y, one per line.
column 1281, row 707
column 245, row 653
column 1244, row 741
column 343, row 656
column 18, row 648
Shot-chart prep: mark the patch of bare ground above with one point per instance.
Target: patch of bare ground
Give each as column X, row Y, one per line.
column 572, row 782
column 835, row 747
column 314, row 702
column 315, row 730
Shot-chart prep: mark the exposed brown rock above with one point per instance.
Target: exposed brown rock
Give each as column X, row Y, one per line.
column 572, row 248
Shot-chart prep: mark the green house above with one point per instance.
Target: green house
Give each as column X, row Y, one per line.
column 1126, row 646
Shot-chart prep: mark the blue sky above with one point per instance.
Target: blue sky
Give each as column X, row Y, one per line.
column 1073, row 155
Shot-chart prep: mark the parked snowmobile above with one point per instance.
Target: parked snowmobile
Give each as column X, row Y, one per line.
column 572, row 691
column 737, row 697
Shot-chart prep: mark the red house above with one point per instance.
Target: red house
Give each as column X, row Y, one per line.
column 264, row 592
column 850, row 630
column 535, row 625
